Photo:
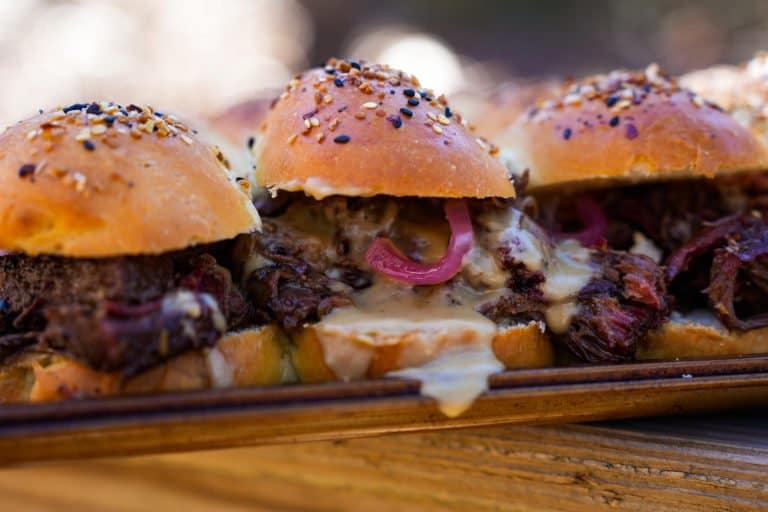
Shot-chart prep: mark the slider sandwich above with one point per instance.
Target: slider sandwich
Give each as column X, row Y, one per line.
column 118, row 272
column 393, row 243
column 666, row 190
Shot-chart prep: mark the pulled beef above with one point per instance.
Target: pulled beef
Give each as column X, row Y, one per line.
column 291, row 288
column 736, row 251
column 667, row 213
column 28, row 283
column 524, row 303
column 113, row 313
column 128, row 337
column 617, row 308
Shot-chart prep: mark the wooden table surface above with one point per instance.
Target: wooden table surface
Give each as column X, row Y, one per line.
column 677, row 464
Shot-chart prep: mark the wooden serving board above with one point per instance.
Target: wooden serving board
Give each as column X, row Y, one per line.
column 237, row 417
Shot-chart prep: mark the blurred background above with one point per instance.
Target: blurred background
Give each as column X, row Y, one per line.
column 198, row 56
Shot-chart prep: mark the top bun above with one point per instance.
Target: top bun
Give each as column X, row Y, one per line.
column 97, row 180
column 508, row 101
column 240, row 122
column 741, row 90
column 628, row 127
column 361, row 129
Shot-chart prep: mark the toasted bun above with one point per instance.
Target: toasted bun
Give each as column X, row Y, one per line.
column 354, row 139
column 626, row 128
column 241, row 121
column 699, row 341
column 113, row 182
column 741, row 90
column 522, row 346
column 253, row 357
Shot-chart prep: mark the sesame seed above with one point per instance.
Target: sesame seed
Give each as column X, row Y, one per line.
column 90, row 146
column 320, row 137
column 443, row 120
column 572, row 99
column 341, row 139
column 437, row 129
column 396, row 121
column 307, row 124
column 354, row 65
column 26, row 170
column 567, row 133
column 327, row 99
column 98, row 129
column 370, row 105
column 75, row 106
column 84, row 134
column 631, row 131
column 359, row 115
column 406, row 112
column 187, row 140
column 314, row 121
column 292, row 139
column 448, row 113
column 614, row 121
column 366, row 88
column 338, row 82
column 251, row 141
column 31, row 134
column 431, row 116
column 413, row 102
column 409, row 92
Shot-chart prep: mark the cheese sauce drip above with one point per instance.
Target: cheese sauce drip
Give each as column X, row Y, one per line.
column 566, row 265
column 442, row 340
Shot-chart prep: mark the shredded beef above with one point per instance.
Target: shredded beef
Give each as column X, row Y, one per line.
column 126, row 337
column 292, row 288
column 617, row 308
column 667, row 213
column 28, row 283
column 739, row 277
column 109, row 312
column 525, row 301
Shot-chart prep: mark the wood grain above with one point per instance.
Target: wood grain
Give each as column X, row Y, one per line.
column 696, row 464
column 212, row 427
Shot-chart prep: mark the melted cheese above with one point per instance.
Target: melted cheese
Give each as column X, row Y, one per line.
column 698, row 317
column 426, row 329
column 566, row 265
column 644, row 246
column 456, row 377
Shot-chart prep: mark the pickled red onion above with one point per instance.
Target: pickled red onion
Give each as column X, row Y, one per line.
column 593, row 218
column 386, row 259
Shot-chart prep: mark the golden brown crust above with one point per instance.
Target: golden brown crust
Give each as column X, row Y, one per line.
column 241, row 121
column 524, row 346
column 106, row 189
column 694, row 341
column 354, row 139
column 625, row 128
column 254, row 357
column 508, row 102
column 741, row 90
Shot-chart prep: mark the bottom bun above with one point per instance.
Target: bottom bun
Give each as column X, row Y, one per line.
column 246, row 358
column 689, row 340
column 522, row 346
